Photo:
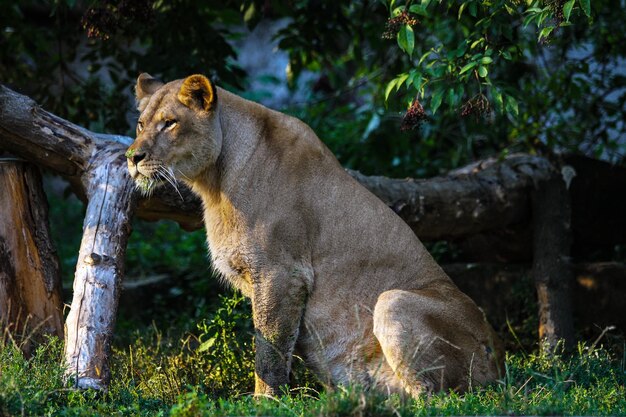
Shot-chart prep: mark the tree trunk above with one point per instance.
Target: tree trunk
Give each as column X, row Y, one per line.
column 99, row 271
column 598, row 293
column 551, row 262
column 30, row 285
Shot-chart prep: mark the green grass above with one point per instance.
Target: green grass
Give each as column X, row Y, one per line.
column 209, row 372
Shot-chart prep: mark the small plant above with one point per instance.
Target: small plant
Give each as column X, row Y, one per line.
column 226, row 348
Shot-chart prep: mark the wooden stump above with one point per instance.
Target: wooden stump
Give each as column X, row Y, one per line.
column 551, row 261
column 30, row 286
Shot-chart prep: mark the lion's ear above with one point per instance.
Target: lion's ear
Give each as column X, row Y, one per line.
column 197, row 92
column 146, row 86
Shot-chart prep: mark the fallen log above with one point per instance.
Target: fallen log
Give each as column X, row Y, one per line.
column 482, row 197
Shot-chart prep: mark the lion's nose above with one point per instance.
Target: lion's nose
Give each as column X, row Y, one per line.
column 137, row 157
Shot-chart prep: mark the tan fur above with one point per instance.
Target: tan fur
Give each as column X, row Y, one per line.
column 330, row 269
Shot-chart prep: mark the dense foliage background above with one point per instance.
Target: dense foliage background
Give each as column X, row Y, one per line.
column 394, row 88
column 483, row 77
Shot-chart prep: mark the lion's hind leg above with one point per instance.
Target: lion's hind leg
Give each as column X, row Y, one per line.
column 434, row 339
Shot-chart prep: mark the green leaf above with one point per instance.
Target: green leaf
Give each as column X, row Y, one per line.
column 206, row 345
column 545, row 32
column 511, row 106
column 529, row 19
column 482, row 71
column 451, row 97
column 411, row 77
column 424, row 57
column 410, row 35
column 390, row 86
column 400, row 80
column 586, row 6
column 435, row 100
column 473, row 9
column 476, row 43
column 249, row 14
column 418, row 9
column 486, row 60
column 543, row 16
column 417, row 82
column 567, row 9
column 406, row 39
column 395, row 12
column 459, row 92
column 497, row 98
column 460, row 51
column 468, row 67
column 463, row 5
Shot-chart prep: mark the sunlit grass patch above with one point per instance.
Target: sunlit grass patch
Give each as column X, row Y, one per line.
column 209, row 372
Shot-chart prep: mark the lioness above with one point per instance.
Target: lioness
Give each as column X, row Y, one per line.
column 332, row 272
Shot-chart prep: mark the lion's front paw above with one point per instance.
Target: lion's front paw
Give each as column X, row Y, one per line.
column 264, row 389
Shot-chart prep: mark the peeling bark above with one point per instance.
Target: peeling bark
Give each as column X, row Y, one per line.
column 99, row 271
column 30, row 285
column 41, row 137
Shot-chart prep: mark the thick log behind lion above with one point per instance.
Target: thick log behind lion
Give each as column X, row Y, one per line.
column 332, row 272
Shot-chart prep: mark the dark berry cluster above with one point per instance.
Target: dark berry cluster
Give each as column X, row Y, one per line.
column 99, row 22
column 557, row 8
column 395, row 23
column 107, row 17
column 414, row 116
column 477, row 106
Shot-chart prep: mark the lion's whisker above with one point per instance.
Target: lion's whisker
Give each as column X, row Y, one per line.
column 167, row 176
column 174, row 182
column 183, row 175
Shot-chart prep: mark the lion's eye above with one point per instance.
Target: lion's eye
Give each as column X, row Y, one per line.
column 169, row 124
column 139, row 126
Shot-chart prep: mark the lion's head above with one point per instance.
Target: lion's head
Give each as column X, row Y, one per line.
column 178, row 135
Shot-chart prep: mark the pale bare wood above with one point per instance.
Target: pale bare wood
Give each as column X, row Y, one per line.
column 100, row 269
